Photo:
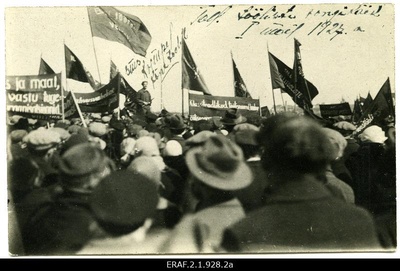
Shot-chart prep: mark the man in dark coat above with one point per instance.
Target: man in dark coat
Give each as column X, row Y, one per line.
column 63, row 226
column 300, row 214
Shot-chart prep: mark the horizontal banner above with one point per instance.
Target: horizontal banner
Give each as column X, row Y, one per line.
column 105, row 99
column 36, row 97
column 206, row 106
column 31, row 83
column 333, row 110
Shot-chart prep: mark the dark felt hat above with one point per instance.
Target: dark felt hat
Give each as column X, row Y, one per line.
column 124, row 199
column 175, row 122
column 232, row 117
column 82, row 159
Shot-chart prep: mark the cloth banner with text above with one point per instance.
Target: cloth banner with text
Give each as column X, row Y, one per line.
column 203, row 107
column 34, row 96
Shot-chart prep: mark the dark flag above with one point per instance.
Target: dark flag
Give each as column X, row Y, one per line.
column 281, row 77
column 240, row 86
column 367, row 101
column 382, row 105
column 114, row 25
column 299, row 81
column 124, row 87
column 357, row 111
column 74, row 69
column 191, row 77
column 45, row 68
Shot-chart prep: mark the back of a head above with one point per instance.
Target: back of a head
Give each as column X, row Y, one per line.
column 294, row 144
column 122, row 202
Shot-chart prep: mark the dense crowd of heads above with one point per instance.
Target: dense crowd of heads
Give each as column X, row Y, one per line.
column 158, row 183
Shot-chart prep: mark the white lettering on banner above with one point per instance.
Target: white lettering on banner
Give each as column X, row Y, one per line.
column 225, row 105
column 197, row 118
column 24, row 98
column 44, row 83
column 51, row 98
column 107, row 93
column 35, row 109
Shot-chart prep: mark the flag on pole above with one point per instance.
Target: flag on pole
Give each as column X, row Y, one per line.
column 281, row 77
column 45, row 68
column 382, row 105
column 75, row 70
column 240, row 86
column 299, row 81
column 191, row 77
column 113, row 70
column 114, row 25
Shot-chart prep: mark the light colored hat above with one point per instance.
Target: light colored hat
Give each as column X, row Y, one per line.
column 128, row 146
column 97, row 129
column 337, row 139
column 146, row 166
column 345, row 125
column 219, row 163
column 42, row 139
column 64, row 134
column 374, row 134
column 172, row 148
column 146, row 146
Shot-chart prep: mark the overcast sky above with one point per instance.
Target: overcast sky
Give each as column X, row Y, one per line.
column 341, row 66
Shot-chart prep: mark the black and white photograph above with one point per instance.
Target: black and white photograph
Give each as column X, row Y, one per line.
column 205, row 129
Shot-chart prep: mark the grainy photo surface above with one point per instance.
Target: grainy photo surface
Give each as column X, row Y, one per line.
column 201, row 129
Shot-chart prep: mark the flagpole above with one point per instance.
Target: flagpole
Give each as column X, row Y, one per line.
column 94, row 47
column 273, row 93
column 118, row 89
column 62, row 102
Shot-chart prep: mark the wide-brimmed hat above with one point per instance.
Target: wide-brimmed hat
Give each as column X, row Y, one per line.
column 232, row 117
column 82, row 159
column 219, row 163
column 175, row 122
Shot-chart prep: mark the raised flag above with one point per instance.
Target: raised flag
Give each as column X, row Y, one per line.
column 299, row 81
column 75, row 70
column 45, row 68
column 113, row 70
column 114, row 25
column 240, row 86
column 367, row 101
column 382, row 105
column 281, row 77
column 357, row 111
column 191, row 77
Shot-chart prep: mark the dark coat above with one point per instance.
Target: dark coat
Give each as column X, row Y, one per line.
column 253, row 196
column 366, row 167
column 303, row 216
column 61, row 227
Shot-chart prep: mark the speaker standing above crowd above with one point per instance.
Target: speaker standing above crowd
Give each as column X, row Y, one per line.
column 160, row 184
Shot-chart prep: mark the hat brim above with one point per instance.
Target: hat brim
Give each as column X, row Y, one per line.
column 240, row 178
column 239, row 120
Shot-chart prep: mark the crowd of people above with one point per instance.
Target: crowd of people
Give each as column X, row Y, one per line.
column 111, row 184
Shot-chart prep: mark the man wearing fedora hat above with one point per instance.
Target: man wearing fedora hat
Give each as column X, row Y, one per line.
column 231, row 118
column 217, row 169
column 62, row 226
column 177, row 126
